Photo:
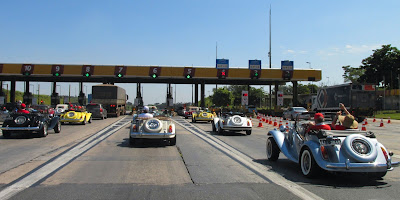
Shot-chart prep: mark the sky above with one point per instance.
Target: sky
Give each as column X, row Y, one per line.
column 319, row 34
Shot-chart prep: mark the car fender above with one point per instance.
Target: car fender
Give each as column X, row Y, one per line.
column 283, row 144
column 53, row 122
column 216, row 122
column 315, row 150
column 88, row 115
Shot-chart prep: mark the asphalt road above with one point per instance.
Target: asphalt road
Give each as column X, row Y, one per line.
column 95, row 161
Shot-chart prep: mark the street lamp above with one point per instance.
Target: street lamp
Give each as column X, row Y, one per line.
column 309, row 64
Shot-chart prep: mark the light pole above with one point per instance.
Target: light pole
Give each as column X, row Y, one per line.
column 309, row 64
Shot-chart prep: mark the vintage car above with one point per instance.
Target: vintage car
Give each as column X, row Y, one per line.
column 160, row 127
column 76, row 117
column 330, row 150
column 188, row 113
column 35, row 122
column 232, row 121
column 202, row 116
column 60, row 109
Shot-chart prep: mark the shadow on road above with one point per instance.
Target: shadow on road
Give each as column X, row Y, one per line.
column 145, row 143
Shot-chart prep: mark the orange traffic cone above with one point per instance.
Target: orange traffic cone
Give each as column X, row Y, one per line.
column 267, row 120
column 258, row 116
column 389, row 120
column 381, row 125
column 365, row 121
column 287, row 124
column 275, row 123
column 374, row 120
column 280, row 122
column 260, row 124
column 363, row 128
column 270, row 120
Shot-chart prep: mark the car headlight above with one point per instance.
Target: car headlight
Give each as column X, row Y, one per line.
column 71, row 114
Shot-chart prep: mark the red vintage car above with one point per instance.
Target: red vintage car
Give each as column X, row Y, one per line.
column 188, row 113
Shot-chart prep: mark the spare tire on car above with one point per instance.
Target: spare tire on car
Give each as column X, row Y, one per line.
column 152, row 125
column 360, row 148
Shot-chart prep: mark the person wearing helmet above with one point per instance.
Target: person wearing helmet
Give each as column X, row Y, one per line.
column 22, row 109
column 145, row 113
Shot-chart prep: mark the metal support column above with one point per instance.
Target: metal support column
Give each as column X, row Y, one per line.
column 1, row 91
column 81, row 97
column 196, row 94
column 295, row 93
column 54, row 96
column 276, row 95
column 27, row 98
column 12, row 91
column 203, row 103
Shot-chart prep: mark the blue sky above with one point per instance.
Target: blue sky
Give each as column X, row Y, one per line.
column 328, row 34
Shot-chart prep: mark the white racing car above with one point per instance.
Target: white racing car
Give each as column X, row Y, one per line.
column 232, row 121
column 160, row 127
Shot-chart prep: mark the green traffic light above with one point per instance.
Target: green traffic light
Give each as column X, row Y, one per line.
column 27, row 73
column 154, row 76
column 256, row 74
column 188, row 76
column 119, row 75
column 56, row 74
column 87, row 74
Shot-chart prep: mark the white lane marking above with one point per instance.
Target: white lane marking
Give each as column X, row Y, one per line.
column 49, row 168
column 246, row 160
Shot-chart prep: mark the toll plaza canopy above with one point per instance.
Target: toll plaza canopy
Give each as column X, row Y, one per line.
column 152, row 74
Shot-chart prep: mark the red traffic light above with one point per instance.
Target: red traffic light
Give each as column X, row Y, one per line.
column 223, row 73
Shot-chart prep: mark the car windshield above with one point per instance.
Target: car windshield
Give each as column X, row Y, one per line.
column 299, row 109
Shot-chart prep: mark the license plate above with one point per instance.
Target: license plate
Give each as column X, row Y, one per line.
column 332, row 141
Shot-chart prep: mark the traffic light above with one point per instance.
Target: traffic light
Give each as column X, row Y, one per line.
column 87, row 74
column 287, row 75
column 154, row 75
column 56, row 74
column 26, row 73
column 188, row 76
column 255, row 74
column 120, row 75
column 245, row 94
column 222, row 75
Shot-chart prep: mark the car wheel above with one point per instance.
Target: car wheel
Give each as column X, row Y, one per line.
column 102, row 117
column 248, row 132
column 43, row 131
column 194, row 120
column 213, row 126
column 84, row 121
column 360, row 148
column 186, row 117
column 291, row 117
column 272, row 149
column 62, row 123
column 308, row 166
column 6, row 134
column 57, row 128
column 172, row 141
column 220, row 131
column 90, row 120
column 152, row 125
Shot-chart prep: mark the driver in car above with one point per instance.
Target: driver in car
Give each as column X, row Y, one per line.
column 319, row 123
column 145, row 113
column 22, row 109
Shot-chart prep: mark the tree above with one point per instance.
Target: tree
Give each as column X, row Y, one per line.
column 222, row 97
column 382, row 66
column 352, row 74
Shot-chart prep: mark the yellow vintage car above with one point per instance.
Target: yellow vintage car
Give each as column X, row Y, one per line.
column 202, row 116
column 76, row 117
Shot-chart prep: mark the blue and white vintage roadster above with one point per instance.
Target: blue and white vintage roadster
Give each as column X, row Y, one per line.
column 330, row 150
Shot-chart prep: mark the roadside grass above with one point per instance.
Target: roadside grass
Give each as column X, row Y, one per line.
column 393, row 114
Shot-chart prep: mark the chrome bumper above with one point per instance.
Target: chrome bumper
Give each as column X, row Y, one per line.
column 20, row 128
column 362, row 166
column 70, row 120
column 237, row 128
column 152, row 135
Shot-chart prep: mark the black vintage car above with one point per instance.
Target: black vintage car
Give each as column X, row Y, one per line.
column 34, row 122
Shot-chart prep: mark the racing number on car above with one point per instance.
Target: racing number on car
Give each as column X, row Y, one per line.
column 120, row 70
column 27, row 68
column 57, row 69
column 155, row 70
column 87, row 69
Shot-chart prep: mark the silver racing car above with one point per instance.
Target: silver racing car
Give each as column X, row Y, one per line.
column 330, row 150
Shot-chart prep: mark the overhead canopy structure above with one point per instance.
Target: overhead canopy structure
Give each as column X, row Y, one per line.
column 152, row 74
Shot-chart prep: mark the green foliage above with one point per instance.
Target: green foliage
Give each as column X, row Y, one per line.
column 352, row 74
column 382, row 66
column 222, row 97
